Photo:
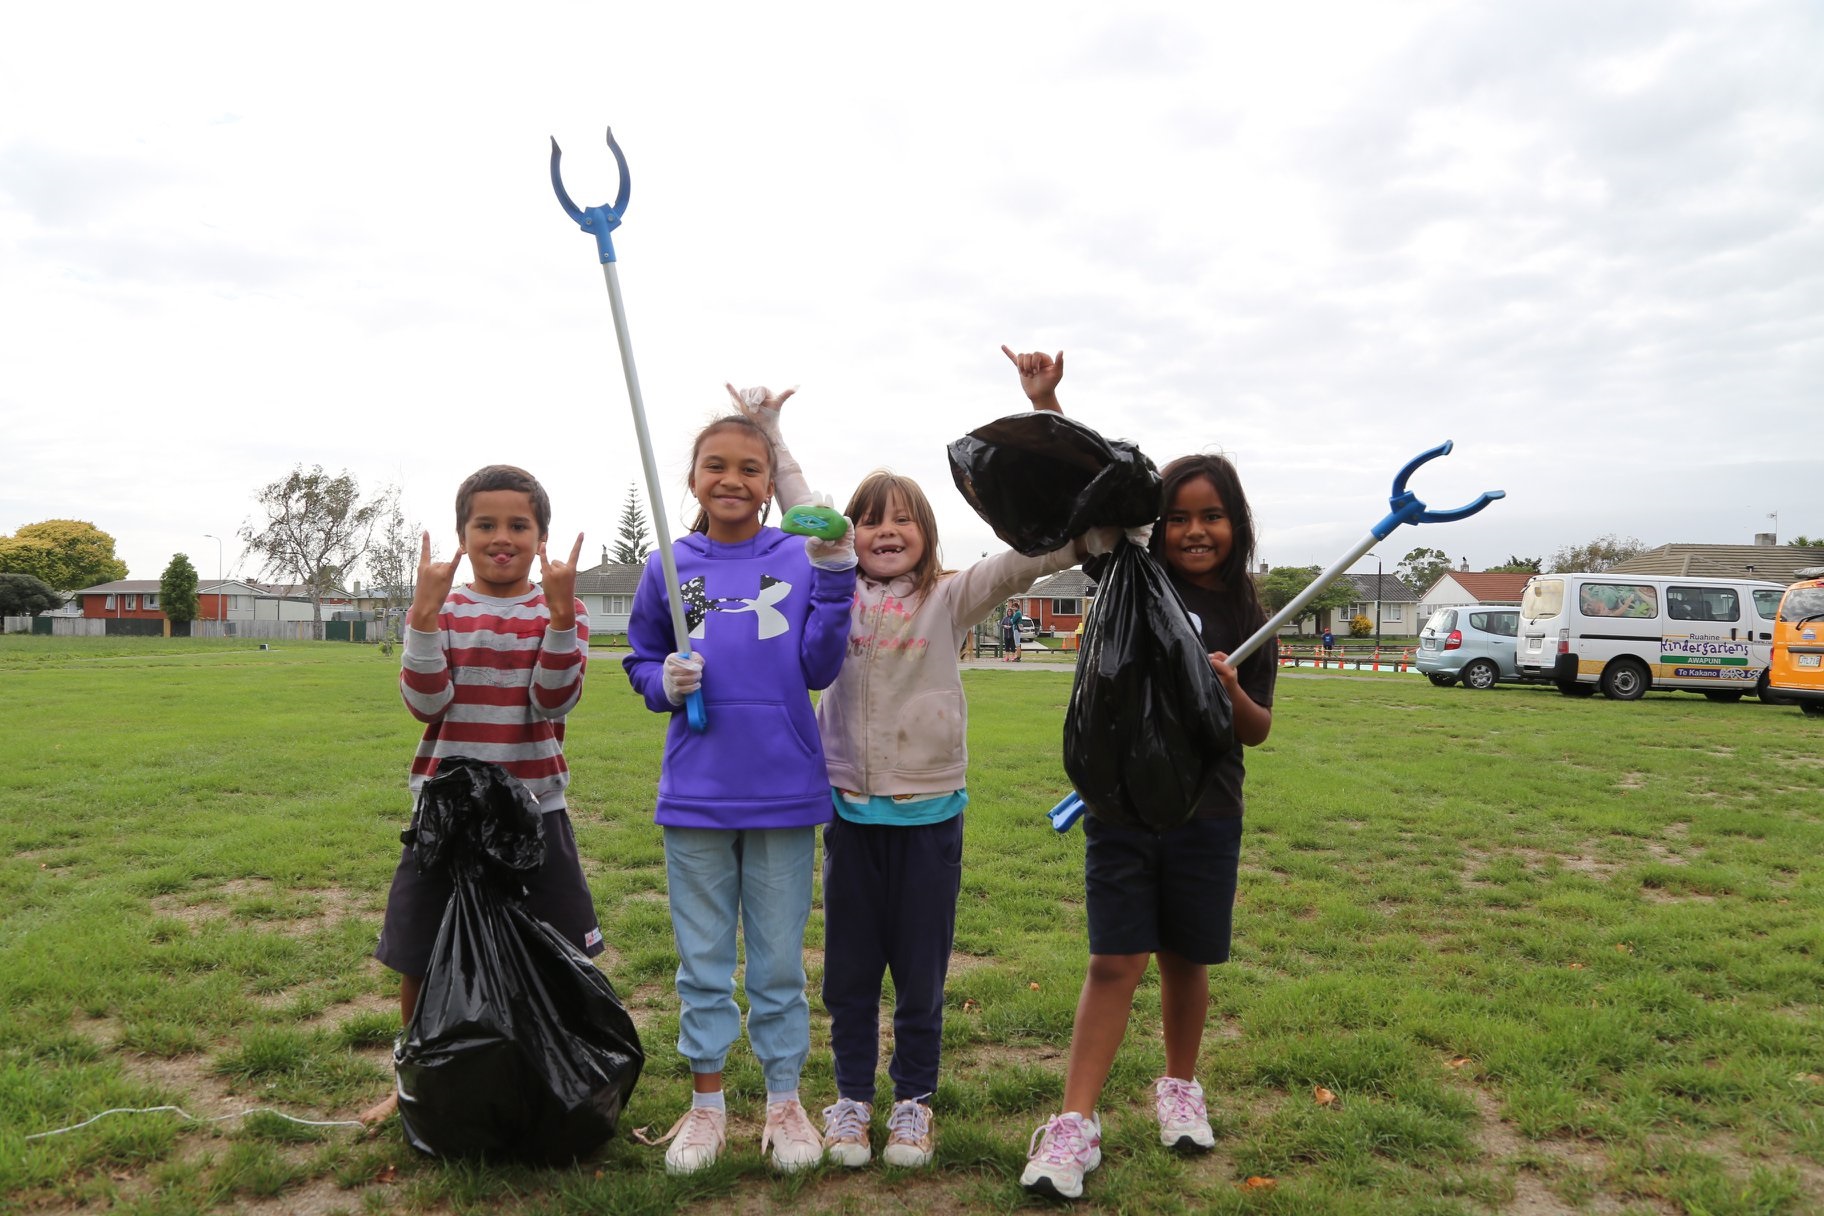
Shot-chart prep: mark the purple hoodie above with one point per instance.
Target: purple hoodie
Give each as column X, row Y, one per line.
column 770, row 627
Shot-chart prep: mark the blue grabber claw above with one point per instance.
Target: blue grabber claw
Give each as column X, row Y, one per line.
column 1404, row 507
column 599, row 222
column 1065, row 815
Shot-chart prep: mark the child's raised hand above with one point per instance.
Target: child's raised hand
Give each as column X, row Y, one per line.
column 435, row 579
column 761, row 406
column 559, row 582
column 1039, row 376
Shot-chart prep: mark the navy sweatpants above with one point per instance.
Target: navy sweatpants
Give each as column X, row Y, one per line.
column 889, row 905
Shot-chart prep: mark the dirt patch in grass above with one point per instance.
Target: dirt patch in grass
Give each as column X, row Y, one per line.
column 1664, row 854
column 1509, row 1152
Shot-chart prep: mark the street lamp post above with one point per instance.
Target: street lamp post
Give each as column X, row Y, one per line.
column 221, row 605
column 1377, row 598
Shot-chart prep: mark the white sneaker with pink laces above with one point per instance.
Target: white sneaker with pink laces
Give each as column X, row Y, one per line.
column 793, row 1142
column 1061, row 1152
column 1184, row 1121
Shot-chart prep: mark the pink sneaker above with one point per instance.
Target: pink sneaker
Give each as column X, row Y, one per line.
column 1184, row 1121
column 1061, row 1152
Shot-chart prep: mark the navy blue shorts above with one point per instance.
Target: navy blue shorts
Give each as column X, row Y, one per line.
column 556, row 894
column 1172, row 891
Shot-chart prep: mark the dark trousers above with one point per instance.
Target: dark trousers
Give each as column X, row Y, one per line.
column 889, row 905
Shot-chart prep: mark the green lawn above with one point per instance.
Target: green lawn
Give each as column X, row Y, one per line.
column 1548, row 954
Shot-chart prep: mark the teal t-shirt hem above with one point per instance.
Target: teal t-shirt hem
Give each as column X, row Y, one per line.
column 913, row 810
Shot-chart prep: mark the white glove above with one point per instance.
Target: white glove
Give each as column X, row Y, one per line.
column 838, row 554
column 683, row 676
column 1102, row 540
column 761, row 407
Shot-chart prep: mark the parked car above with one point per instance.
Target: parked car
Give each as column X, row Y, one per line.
column 1029, row 629
column 1474, row 645
column 1796, row 672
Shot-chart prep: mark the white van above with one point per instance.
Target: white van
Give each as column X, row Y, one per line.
column 1627, row 633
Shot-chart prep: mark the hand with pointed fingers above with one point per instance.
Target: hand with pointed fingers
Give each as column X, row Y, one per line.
column 761, row 405
column 435, row 579
column 1039, row 377
column 559, row 582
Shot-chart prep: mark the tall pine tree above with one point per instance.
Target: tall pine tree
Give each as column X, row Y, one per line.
column 630, row 543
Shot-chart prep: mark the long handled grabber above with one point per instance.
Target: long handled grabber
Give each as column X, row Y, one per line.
column 599, row 222
column 1404, row 507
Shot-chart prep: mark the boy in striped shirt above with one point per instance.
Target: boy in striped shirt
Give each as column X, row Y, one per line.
column 491, row 669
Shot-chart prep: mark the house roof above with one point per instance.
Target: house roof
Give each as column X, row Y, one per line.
column 1488, row 586
column 1065, row 585
column 1393, row 589
column 121, row 586
column 1773, row 563
column 610, row 578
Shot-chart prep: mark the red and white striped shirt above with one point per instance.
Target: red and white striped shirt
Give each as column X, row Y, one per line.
column 494, row 682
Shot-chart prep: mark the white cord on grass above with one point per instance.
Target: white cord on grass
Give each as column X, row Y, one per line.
column 178, row 1110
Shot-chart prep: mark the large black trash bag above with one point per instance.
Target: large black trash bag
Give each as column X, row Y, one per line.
column 1148, row 719
column 1040, row 479
column 519, row 1047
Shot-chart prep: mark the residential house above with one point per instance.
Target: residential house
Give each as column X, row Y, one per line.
column 1058, row 603
column 1393, row 608
column 607, row 594
column 136, row 599
column 1763, row 560
column 1462, row 588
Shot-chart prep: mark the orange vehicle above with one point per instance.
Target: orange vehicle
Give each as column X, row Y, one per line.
column 1797, row 669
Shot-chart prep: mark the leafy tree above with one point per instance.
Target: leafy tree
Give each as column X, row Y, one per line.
column 64, row 554
column 1280, row 587
column 1423, row 567
column 1805, row 542
column 316, row 529
column 392, row 565
column 630, row 543
column 23, row 595
column 1597, row 555
column 1519, row 565
column 1360, row 626
column 177, row 590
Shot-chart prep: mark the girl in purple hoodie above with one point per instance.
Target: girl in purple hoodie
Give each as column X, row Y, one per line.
column 741, row 802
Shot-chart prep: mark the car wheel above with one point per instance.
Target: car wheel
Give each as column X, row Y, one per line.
column 1572, row 688
column 1767, row 695
column 1813, row 709
column 1481, row 675
column 1625, row 680
column 1441, row 680
column 1726, row 697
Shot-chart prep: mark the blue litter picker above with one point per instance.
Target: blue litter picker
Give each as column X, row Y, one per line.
column 1403, row 506
column 600, row 222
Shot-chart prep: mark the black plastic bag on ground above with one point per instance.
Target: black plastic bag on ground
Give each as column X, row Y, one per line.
column 1040, row 479
column 519, row 1047
column 1147, row 719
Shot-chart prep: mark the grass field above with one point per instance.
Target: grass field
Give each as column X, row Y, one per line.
column 1548, row 955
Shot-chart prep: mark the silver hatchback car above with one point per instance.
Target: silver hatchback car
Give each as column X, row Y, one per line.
column 1474, row 645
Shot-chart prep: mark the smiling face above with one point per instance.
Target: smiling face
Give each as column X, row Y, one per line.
column 891, row 543
column 501, row 539
column 732, row 477
column 1198, row 534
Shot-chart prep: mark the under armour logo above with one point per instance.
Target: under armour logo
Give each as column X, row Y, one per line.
column 769, row 620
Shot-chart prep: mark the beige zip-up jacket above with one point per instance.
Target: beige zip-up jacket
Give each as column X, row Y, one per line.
column 895, row 721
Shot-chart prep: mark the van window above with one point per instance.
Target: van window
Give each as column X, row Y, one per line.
column 1544, row 597
column 1767, row 603
column 1618, row 599
column 1703, row 604
column 1802, row 604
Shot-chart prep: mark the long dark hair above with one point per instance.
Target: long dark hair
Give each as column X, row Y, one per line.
column 730, row 422
column 1234, row 572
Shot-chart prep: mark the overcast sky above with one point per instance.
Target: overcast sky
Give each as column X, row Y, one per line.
column 1585, row 241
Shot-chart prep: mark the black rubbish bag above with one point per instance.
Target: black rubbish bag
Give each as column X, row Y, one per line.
column 1040, row 479
column 1148, row 719
column 519, row 1047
